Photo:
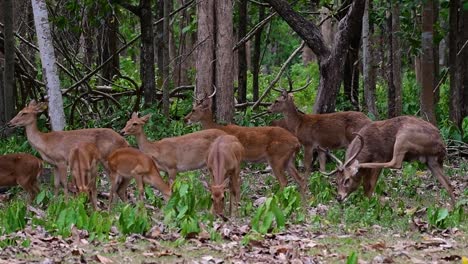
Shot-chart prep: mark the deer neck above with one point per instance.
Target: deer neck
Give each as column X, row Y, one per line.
column 142, row 141
column 207, row 121
column 35, row 137
column 292, row 116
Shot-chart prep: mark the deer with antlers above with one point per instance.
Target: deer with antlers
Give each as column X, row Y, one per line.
column 272, row 144
column 54, row 147
column 331, row 131
column 386, row 144
column 183, row 153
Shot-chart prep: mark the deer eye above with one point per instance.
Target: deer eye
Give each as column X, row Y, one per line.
column 346, row 182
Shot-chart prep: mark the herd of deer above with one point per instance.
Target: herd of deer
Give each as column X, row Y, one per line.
column 371, row 146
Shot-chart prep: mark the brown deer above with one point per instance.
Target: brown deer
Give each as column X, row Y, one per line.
column 386, row 144
column 223, row 161
column 331, row 131
column 174, row 154
column 127, row 163
column 83, row 162
column 55, row 146
column 272, row 144
column 21, row 169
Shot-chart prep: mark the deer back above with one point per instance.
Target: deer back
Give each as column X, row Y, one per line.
column 13, row 167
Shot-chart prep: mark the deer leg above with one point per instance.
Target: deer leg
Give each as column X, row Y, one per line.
column 399, row 151
column 308, row 159
column 277, row 165
column 370, row 177
column 436, row 169
column 172, row 173
column 322, row 157
column 114, row 185
column 61, row 175
column 140, row 186
column 122, row 189
column 235, row 193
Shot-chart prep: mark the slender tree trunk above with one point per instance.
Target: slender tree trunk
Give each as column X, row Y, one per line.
column 256, row 56
column 368, row 62
column 391, row 96
column 435, row 51
column 454, row 70
column 147, row 70
column 464, row 59
column 205, row 51
column 351, row 73
column 396, row 58
column 242, row 53
column 224, row 61
column 9, row 70
column 427, row 95
column 166, row 81
column 44, row 38
column 109, row 46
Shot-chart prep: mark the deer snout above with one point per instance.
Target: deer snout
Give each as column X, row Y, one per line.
column 187, row 120
column 339, row 198
column 122, row 132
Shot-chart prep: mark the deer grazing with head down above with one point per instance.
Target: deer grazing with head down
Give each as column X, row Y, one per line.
column 386, row 144
column 223, row 161
column 83, row 162
column 272, row 144
column 128, row 163
column 183, row 153
column 55, row 146
column 331, row 131
column 21, row 169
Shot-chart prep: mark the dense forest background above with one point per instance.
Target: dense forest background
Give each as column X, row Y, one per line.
column 385, row 58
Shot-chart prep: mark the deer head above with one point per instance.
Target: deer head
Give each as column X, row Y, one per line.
column 135, row 125
column 28, row 114
column 281, row 103
column 217, row 195
column 201, row 108
column 346, row 174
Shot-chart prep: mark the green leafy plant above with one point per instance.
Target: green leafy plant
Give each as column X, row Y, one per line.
column 352, row 259
column 133, row 219
column 13, row 218
column 273, row 213
column 440, row 217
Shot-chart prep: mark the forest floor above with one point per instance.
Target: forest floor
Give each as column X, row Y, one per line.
column 326, row 235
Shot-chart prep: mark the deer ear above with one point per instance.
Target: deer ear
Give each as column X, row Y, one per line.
column 134, row 114
column 32, row 103
column 40, row 107
column 146, row 118
column 354, row 167
column 226, row 183
column 205, row 184
column 206, row 103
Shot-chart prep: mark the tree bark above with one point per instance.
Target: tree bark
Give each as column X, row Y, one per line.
column 8, row 97
column 464, row 59
column 396, row 55
column 427, row 65
column 224, row 61
column 256, row 56
column 108, row 45
column 205, row 51
column 351, row 73
column 330, row 61
column 368, row 62
column 242, row 53
column 454, row 70
column 165, row 70
column 44, row 38
column 147, row 70
column 435, row 51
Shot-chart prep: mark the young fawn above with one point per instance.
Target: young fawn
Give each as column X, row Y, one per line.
column 21, row 169
column 83, row 162
column 128, row 163
column 223, row 161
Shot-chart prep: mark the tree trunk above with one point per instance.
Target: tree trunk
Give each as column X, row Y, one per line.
column 109, row 46
column 464, row 59
column 391, row 93
column 368, row 62
column 44, row 39
column 435, row 51
column 242, row 53
column 147, row 53
column 396, row 54
column 351, row 73
column 205, row 51
column 330, row 61
column 166, row 81
column 8, row 97
column 427, row 65
column 454, row 70
column 256, row 56
column 224, row 61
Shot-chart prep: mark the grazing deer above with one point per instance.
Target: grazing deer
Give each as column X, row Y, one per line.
column 223, row 161
column 174, row 154
column 331, row 131
column 127, row 163
column 83, row 161
column 272, row 144
column 55, row 146
column 386, row 144
column 21, row 169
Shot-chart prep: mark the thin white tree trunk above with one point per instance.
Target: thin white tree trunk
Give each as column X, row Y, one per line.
column 44, row 39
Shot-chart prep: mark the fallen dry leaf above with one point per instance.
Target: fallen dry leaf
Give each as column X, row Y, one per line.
column 103, row 259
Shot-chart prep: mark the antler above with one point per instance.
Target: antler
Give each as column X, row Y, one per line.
column 361, row 139
column 214, row 87
column 340, row 163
